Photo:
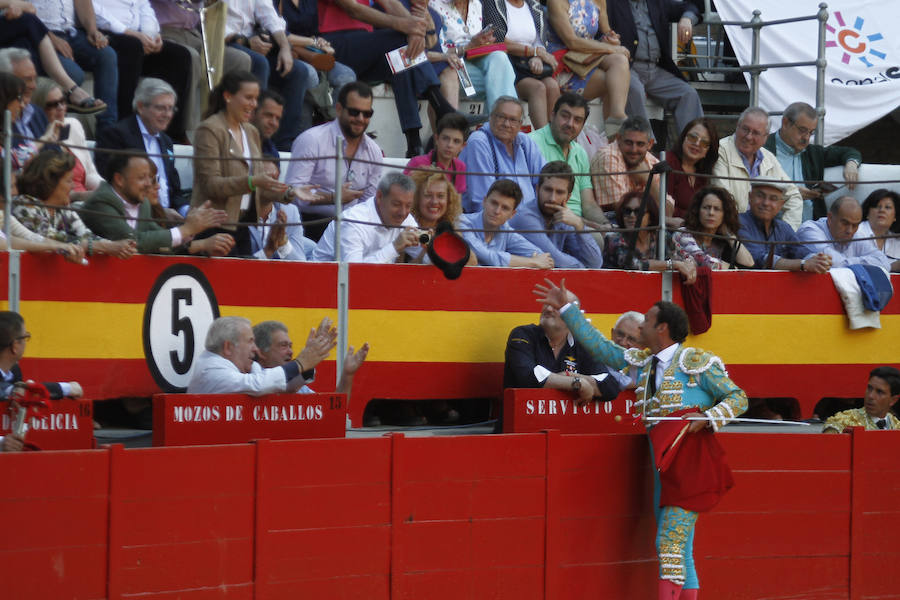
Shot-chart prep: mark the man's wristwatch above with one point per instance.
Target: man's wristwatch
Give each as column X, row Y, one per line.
column 802, row 264
column 576, row 383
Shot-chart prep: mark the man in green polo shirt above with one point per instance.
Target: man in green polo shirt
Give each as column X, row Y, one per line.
column 556, row 141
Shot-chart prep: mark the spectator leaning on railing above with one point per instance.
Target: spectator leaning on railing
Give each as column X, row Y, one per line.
column 569, row 248
column 119, row 210
column 835, row 236
column 497, row 245
column 762, row 230
column 384, row 227
column 45, row 184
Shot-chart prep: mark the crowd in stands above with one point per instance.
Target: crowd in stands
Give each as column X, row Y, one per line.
column 519, row 199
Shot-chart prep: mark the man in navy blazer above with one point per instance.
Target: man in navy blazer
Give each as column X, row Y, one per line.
column 643, row 28
column 144, row 131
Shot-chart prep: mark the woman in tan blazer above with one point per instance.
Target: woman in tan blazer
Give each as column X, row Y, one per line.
column 225, row 144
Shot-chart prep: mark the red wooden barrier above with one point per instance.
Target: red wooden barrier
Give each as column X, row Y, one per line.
column 530, row 410
column 67, row 425
column 544, row 516
column 194, row 419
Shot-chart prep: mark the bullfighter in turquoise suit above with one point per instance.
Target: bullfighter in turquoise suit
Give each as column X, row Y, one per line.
column 691, row 379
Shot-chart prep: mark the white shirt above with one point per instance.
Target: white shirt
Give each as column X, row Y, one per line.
column 154, row 149
column 118, row 15
column 244, row 14
column 57, row 15
column 454, row 31
column 665, row 357
column 891, row 245
column 214, row 374
column 363, row 243
column 520, row 25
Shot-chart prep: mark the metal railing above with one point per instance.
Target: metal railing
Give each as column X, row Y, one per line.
column 711, row 20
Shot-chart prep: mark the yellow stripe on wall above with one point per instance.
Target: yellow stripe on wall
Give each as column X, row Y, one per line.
column 113, row 331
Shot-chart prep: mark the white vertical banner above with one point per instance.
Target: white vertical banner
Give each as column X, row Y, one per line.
column 862, row 80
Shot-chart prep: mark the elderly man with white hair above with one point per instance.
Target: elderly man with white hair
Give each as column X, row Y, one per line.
column 145, row 131
column 227, row 365
column 743, row 157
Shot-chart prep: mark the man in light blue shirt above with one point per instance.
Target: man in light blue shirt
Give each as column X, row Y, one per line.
column 569, row 248
column 500, row 147
column 834, row 235
column 496, row 244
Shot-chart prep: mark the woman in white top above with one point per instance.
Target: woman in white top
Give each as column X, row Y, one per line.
column 463, row 30
column 522, row 24
column 880, row 218
column 50, row 97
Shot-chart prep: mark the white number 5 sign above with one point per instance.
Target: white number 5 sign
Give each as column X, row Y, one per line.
column 177, row 315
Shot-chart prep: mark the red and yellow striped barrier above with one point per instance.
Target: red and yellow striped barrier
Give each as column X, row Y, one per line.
column 781, row 334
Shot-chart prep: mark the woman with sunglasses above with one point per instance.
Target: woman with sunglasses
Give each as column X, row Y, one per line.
column 618, row 253
column 695, row 153
column 50, row 96
column 709, row 231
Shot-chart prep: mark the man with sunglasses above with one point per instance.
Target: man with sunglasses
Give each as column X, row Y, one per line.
column 13, row 339
column 802, row 160
column 354, row 113
column 743, row 157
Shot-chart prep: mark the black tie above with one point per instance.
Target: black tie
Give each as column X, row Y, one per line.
column 651, row 381
column 881, row 423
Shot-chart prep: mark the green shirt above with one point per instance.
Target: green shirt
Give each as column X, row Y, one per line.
column 578, row 160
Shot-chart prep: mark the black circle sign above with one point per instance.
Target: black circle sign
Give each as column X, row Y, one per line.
column 178, row 312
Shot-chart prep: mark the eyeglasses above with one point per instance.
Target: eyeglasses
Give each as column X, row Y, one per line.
column 804, row 131
column 751, row 132
column 25, row 337
column 54, row 103
column 696, row 138
column 631, row 211
column 505, row 119
column 355, row 112
column 164, row 108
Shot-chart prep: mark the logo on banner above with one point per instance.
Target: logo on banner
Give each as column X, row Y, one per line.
column 854, row 41
column 856, row 44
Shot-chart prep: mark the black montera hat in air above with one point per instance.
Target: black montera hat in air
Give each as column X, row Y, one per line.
column 448, row 251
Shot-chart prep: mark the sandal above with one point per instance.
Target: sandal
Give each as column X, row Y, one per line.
column 87, row 106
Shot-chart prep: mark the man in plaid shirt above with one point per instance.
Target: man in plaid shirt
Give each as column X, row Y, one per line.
column 630, row 152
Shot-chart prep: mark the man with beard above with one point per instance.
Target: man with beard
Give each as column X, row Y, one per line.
column 354, row 112
column 119, row 210
column 556, row 141
column 569, row 248
column 630, row 152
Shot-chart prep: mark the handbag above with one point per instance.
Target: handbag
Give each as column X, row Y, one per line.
column 520, row 66
column 582, row 63
column 320, row 61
